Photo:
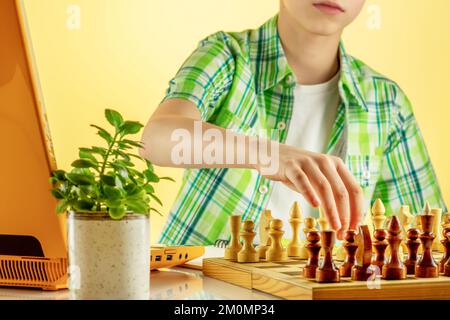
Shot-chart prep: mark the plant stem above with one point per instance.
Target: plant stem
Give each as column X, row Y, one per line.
column 105, row 160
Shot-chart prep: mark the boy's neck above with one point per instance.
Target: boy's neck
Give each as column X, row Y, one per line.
column 313, row 58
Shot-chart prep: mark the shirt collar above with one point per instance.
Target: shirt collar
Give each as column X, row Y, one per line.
column 271, row 66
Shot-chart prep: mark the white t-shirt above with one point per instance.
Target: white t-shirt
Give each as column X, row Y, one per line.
column 313, row 116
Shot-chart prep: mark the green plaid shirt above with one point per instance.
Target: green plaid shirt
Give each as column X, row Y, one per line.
column 242, row 81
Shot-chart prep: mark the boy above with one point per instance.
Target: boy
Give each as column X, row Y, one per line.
column 343, row 135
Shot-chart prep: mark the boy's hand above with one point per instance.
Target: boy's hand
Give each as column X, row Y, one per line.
column 324, row 181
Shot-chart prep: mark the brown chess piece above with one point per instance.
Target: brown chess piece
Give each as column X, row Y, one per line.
column 394, row 269
column 447, row 264
column 426, row 266
column 327, row 271
column 361, row 271
column 446, row 243
column 380, row 245
column 350, row 247
column 413, row 247
column 313, row 247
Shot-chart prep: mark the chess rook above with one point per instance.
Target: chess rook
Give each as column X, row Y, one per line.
column 313, row 247
column 350, row 248
column 235, row 246
column 394, row 269
column 276, row 252
column 426, row 266
column 327, row 271
column 380, row 244
column 413, row 246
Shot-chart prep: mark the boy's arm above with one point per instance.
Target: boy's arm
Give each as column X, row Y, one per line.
column 195, row 93
column 407, row 174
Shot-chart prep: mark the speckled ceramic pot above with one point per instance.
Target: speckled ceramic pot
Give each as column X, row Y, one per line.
column 108, row 259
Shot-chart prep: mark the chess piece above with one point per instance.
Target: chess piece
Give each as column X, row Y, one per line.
column 426, row 209
column 310, row 225
column 327, row 271
column 437, row 245
column 276, row 252
column 323, row 221
column 446, row 244
column 363, row 255
column 380, row 244
column 264, row 239
column 400, row 247
column 446, row 220
column 248, row 252
column 406, row 218
column 426, row 267
column 294, row 248
column 417, row 223
column 313, row 247
column 394, row 269
column 413, row 245
column 447, row 264
column 378, row 214
column 234, row 246
column 350, row 247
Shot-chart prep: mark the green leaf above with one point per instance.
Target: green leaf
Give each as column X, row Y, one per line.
column 167, row 178
column 149, row 188
column 113, row 203
column 155, row 198
column 151, row 176
column 138, row 144
column 84, row 163
column 86, row 153
column 60, row 175
column 137, row 206
column 117, row 212
column 84, row 204
column 130, row 127
column 103, row 133
column 108, row 180
column 149, row 165
column 99, row 150
column 57, row 194
column 112, row 193
column 114, row 118
column 62, row 206
column 80, row 179
column 153, row 209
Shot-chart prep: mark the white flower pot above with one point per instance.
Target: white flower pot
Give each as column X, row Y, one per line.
column 108, row 259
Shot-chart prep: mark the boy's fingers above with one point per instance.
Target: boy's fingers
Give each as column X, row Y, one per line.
column 341, row 196
column 325, row 193
column 356, row 195
column 301, row 183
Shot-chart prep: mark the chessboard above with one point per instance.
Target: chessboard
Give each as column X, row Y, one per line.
column 284, row 279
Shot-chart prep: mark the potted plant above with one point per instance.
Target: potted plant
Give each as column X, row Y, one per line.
column 107, row 200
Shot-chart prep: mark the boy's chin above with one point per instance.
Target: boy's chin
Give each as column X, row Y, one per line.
column 325, row 29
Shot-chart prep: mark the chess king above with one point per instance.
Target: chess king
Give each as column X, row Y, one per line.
column 341, row 134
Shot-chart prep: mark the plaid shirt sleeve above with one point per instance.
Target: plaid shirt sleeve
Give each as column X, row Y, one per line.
column 407, row 175
column 205, row 75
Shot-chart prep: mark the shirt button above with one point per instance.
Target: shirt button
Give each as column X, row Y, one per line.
column 263, row 189
column 289, row 79
column 366, row 174
column 281, row 125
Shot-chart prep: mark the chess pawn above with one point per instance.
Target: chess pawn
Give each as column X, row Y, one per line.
column 446, row 244
column 350, row 248
column 426, row 267
column 310, row 225
column 234, row 246
column 413, row 245
column 264, row 239
column 276, row 252
column 406, row 218
column 394, row 269
column 327, row 271
column 313, row 246
column 248, row 252
column 294, row 247
column 437, row 245
column 380, row 245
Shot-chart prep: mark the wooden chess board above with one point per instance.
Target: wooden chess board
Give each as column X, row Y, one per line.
column 284, row 279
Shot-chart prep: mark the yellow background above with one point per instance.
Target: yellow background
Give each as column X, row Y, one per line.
column 126, row 51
